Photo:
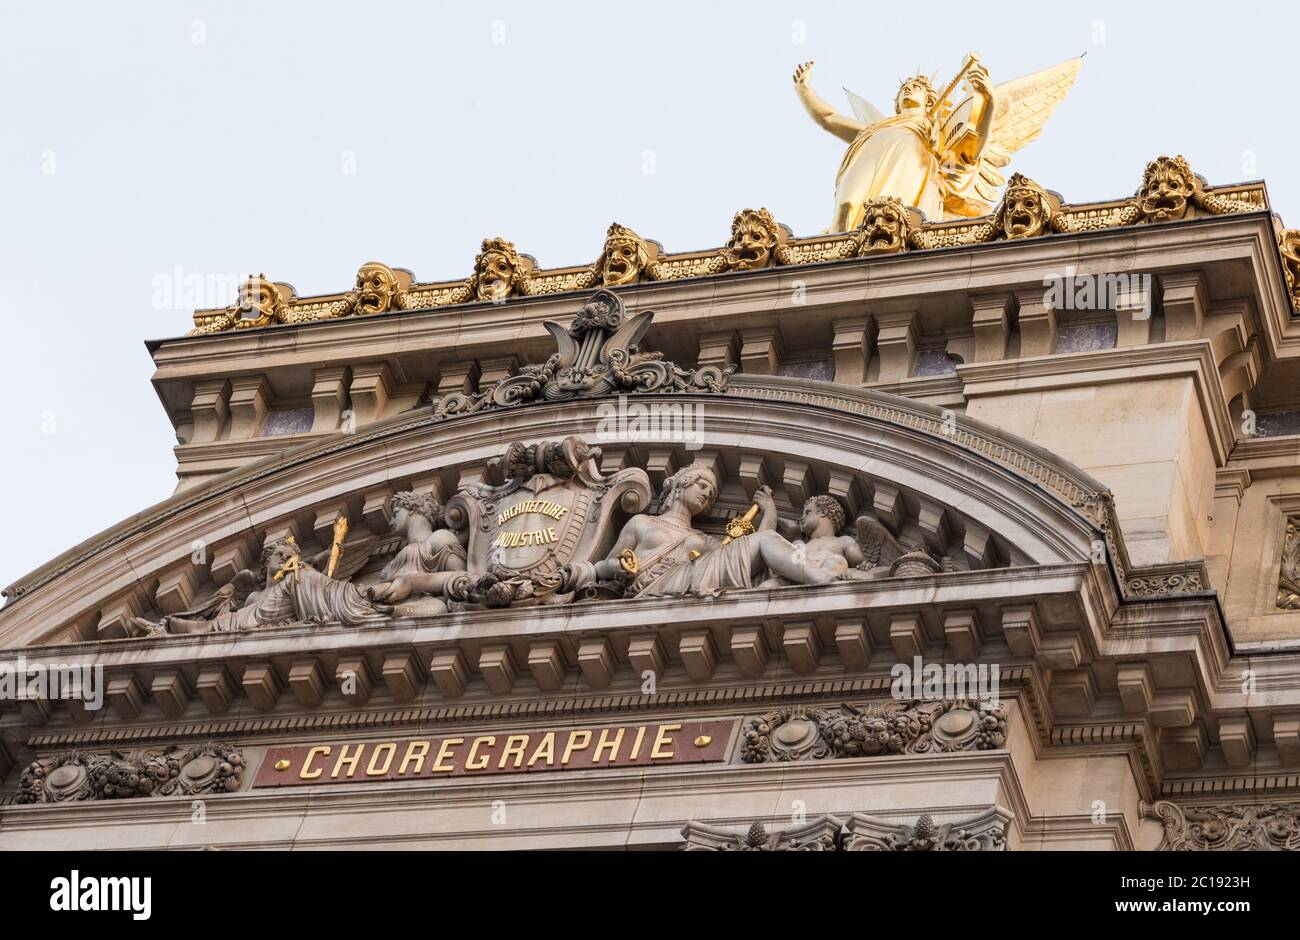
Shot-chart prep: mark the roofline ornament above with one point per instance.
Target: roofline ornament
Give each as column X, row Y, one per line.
column 598, row 354
column 1169, row 191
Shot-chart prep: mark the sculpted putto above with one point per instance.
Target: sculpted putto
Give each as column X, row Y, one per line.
column 664, row 555
column 932, row 155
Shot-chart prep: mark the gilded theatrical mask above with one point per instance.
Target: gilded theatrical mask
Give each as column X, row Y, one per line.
column 886, row 227
column 755, row 236
column 625, row 258
column 260, row 303
column 1027, row 209
column 377, row 287
column 498, row 269
column 1168, row 186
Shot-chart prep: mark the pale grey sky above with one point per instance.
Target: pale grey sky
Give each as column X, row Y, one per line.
column 139, row 137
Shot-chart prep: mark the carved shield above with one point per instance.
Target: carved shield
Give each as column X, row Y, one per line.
column 537, row 523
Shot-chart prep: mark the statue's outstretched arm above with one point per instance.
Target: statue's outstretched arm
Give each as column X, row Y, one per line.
column 844, row 128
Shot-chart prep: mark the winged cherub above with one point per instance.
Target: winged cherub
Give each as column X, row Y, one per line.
column 929, row 154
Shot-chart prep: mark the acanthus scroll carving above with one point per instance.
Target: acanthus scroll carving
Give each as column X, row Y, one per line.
column 1226, row 827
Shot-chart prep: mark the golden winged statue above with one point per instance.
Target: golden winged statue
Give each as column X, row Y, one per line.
column 940, row 158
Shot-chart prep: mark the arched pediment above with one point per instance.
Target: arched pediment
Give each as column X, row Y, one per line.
column 964, row 492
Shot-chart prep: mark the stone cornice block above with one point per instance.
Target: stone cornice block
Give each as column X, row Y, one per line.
column 458, row 378
column 660, row 464
column 754, row 473
column 497, row 664
column 721, row 349
column 261, row 686
column 802, row 647
column 961, row 634
column 177, row 587
column 906, row 636
column 35, row 711
column 449, row 672
column 354, row 676
column 845, row 486
column 117, row 615
column 1173, row 709
column 401, row 673
column 210, row 410
column 761, row 350
column 249, row 400
column 329, row 392
column 596, row 660
column 372, row 386
column 1061, row 652
column 1183, row 297
column 493, row 370
column 216, row 688
column 1286, row 738
column 233, row 557
column 1037, row 323
column 307, row 682
column 887, row 502
column 1183, row 748
column 323, row 524
column 749, row 650
column 1237, row 739
column 798, row 482
column 1020, row 627
column 546, row 663
column 851, row 347
column 1137, row 689
column 853, row 640
column 646, row 654
column 990, row 319
column 1073, row 692
column 896, row 344
column 171, row 690
column 376, row 509
column 698, row 653
column 126, row 696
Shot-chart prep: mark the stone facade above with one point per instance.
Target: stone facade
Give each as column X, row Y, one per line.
column 593, row 567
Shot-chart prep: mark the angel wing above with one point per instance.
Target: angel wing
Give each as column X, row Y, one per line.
column 866, row 112
column 355, row 555
column 1023, row 107
column 878, row 544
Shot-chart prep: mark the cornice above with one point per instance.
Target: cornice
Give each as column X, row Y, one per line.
column 1074, row 487
column 1194, row 358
